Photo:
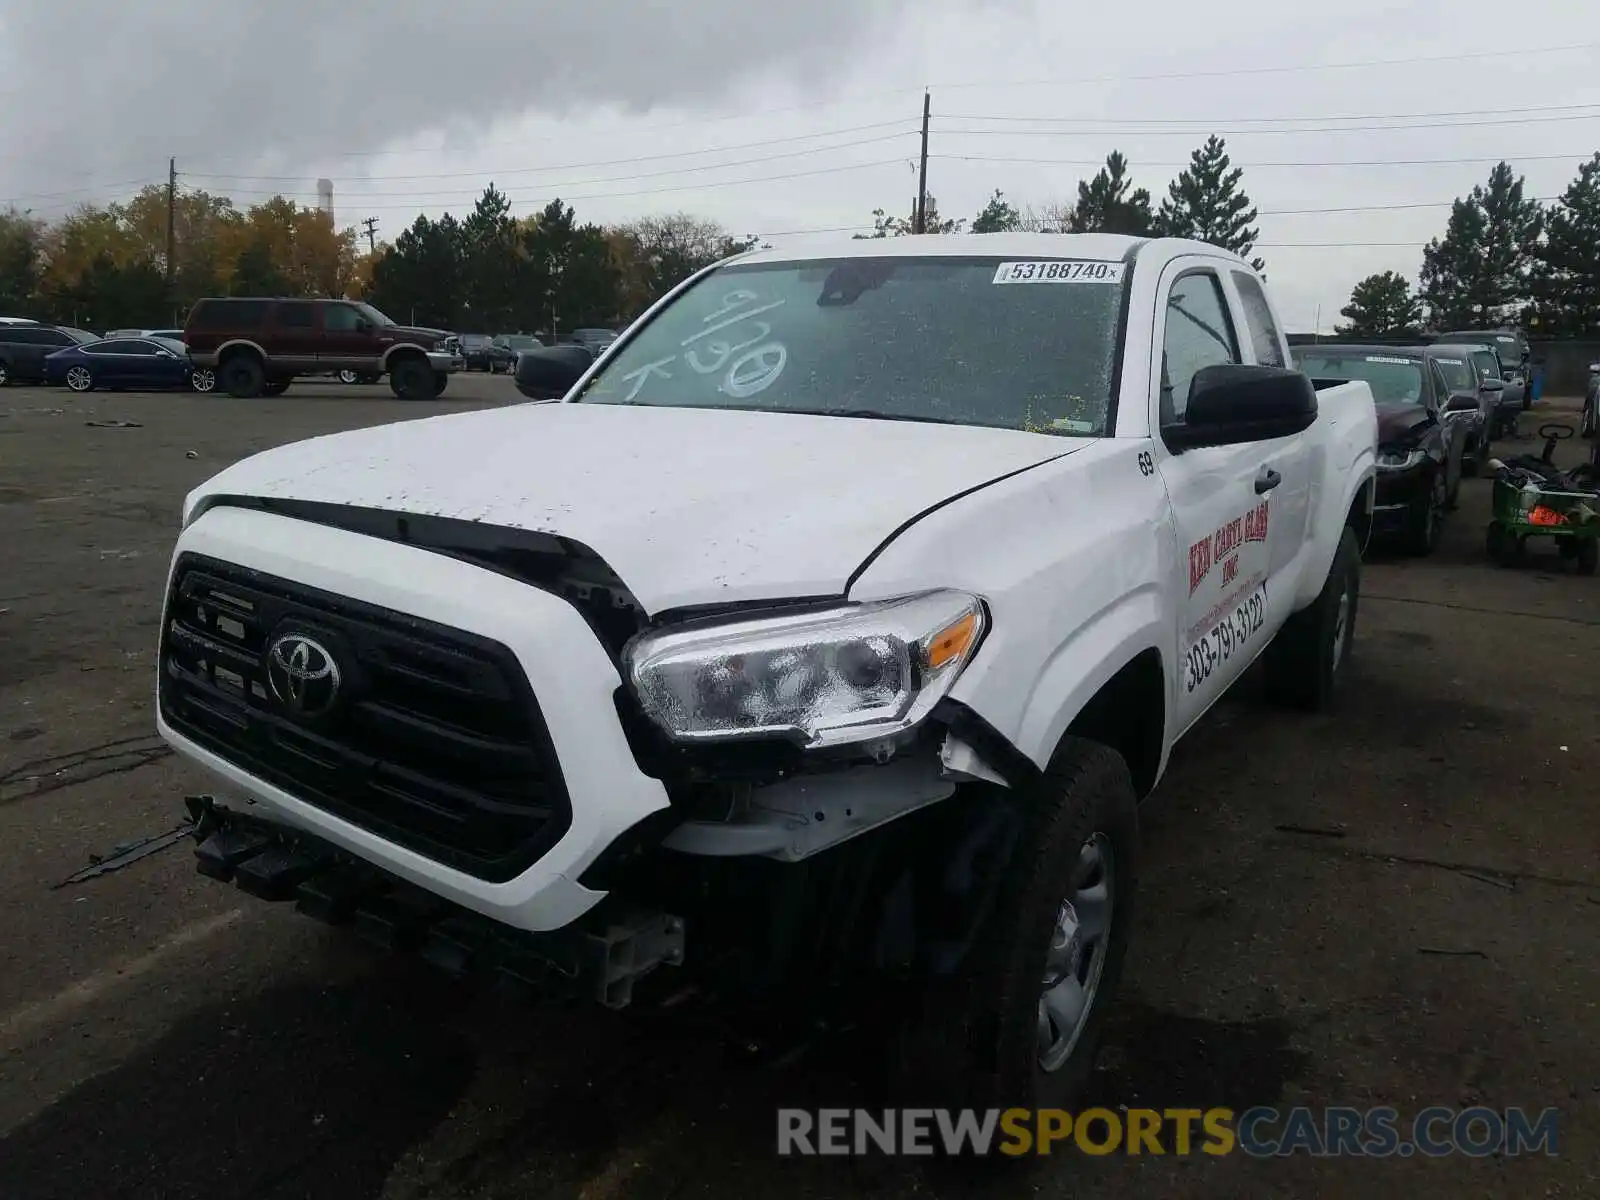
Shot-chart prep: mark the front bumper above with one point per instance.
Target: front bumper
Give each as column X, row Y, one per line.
column 1397, row 493
column 564, row 665
column 446, row 362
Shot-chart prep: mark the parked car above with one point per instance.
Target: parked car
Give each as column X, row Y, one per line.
column 594, row 339
column 1464, row 377
column 257, row 346
column 482, row 353
column 24, row 349
column 151, row 364
column 1511, row 397
column 175, row 335
column 822, row 640
column 515, row 344
column 1514, row 352
column 1422, row 444
column 18, row 321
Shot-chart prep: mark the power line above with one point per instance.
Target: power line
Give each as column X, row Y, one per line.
column 1199, row 129
column 618, row 162
column 1204, row 121
column 744, row 162
column 1583, row 156
column 1415, row 60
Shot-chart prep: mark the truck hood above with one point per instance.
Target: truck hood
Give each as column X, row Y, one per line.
column 688, row 506
column 1400, row 422
column 410, row 333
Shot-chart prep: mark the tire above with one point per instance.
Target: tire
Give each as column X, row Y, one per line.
column 1306, row 661
column 5, row 374
column 275, row 389
column 1426, row 517
column 242, row 377
column 1588, row 556
column 440, row 382
column 1505, row 548
column 411, row 378
column 974, row 1040
column 80, row 379
column 348, row 376
column 203, row 379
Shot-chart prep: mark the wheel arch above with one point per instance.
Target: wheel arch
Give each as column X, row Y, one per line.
column 235, row 345
column 401, row 349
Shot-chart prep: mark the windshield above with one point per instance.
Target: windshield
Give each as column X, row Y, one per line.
column 1393, row 380
column 924, row 339
column 82, row 336
column 373, row 315
column 1456, row 373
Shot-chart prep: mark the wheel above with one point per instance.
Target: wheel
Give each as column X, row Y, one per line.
column 1588, row 556
column 80, row 379
column 1505, row 548
column 440, row 382
column 348, row 376
column 277, row 388
column 1426, row 517
column 243, row 376
column 1306, row 661
column 1019, row 1023
column 203, row 379
column 5, row 374
column 411, row 378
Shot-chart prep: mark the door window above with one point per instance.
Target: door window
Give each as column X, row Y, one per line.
column 1258, row 322
column 340, row 318
column 1199, row 334
column 295, row 315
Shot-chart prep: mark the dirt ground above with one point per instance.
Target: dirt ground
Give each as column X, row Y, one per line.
column 1433, row 939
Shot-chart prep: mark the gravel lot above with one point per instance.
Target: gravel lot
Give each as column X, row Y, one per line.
column 165, row 1036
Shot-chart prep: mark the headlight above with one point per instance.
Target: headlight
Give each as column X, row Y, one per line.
column 846, row 674
column 1400, row 460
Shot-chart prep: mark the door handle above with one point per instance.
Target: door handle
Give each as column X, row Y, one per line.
column 1267, row 480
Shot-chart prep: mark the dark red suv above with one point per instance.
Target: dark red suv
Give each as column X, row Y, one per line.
column 258, row 346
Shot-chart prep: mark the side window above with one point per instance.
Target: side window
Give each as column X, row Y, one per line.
column 295, row 315
column 1199, row 334
column 340, row 318
column 142, row 349
column 22, row 337
column 111, row 347
column 1263, row 330
column 1441, row 387
column 51, row 337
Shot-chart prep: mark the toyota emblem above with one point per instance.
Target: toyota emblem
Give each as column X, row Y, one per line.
column 303, row 675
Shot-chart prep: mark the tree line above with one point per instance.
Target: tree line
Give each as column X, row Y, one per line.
column 1503, row 257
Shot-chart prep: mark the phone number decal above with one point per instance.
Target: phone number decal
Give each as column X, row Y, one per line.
column 1226, row 639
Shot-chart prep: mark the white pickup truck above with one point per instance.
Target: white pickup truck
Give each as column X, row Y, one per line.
column 828, row 631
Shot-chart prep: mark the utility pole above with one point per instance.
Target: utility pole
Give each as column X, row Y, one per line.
column 372, row 233
column 920, row 225
column 172, row 229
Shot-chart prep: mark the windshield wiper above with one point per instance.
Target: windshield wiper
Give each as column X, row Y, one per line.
column 871, row 414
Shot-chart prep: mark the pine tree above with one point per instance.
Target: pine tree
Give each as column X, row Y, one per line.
column 1107, row 205
column 1566, row 270
column 997, row 216
column 1381, row 306
column 1206, row 203
column 1479, row 273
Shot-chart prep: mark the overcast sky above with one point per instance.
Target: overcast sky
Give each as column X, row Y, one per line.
column 776, row 118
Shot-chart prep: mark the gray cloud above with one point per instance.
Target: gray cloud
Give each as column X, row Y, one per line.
column 112, row 89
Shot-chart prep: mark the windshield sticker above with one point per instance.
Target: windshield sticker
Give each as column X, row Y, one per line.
column 1072, row 425
column 1452, row 362
column 752, row 364
column 1399, row 362
column 1058, row 271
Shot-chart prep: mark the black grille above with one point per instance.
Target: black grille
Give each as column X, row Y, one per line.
column 437, row 743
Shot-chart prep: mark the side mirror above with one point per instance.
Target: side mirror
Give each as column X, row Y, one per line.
column 363, row 325
column 1231, row 403
column 1494, row 385
column 550, row 372
column 1462, row 402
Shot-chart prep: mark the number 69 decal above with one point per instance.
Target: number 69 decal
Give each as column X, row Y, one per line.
column 1147, row 465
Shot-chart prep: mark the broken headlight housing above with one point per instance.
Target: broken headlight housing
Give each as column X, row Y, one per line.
column 822, row 678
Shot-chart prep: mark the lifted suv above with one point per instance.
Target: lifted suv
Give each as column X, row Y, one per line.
column 258, row 346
